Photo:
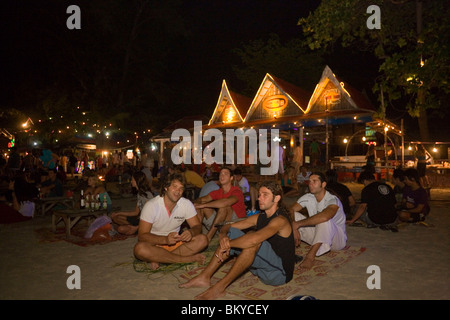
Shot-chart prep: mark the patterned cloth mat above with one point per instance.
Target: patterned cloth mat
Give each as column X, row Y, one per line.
column 248, row 286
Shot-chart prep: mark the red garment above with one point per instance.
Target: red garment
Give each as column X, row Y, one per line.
column 10, row 215
column 238, row 207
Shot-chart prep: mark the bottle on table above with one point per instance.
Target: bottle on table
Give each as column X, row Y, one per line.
column 97, row 202
column 105, row 203
column 92, row 202
column 82, row 200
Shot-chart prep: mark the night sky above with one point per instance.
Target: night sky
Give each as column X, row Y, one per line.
column 198, row 64
column 39, row 52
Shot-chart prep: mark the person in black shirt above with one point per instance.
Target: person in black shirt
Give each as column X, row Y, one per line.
column 341, row 191
column 269, row 251
column 415, row 206
column 52, row 187
column 398, row 180
column 377, row 207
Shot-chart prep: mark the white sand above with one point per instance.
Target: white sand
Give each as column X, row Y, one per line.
column 413, row 262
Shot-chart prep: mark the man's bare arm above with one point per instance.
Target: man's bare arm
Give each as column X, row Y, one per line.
column 328, row 213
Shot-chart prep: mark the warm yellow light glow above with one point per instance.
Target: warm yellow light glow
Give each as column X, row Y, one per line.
column 229, row 114
column 345, row 140
column 275, row 103
column 342, row 86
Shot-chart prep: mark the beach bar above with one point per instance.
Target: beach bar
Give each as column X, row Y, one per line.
column 333, row 112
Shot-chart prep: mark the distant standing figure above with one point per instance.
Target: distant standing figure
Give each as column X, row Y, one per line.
column 314, row 152
column 371, row 155
column 421, row 156
column 297, row 159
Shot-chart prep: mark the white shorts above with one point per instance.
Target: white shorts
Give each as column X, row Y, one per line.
column 328, row 233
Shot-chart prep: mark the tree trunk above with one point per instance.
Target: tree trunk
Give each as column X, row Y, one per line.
column 423, row 117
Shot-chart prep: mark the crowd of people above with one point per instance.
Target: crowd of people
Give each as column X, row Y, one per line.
column 177, row 222
column 42, row 173
column 173, row 229
column 25, row 179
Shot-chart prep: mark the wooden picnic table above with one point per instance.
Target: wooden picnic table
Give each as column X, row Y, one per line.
column 47, row 203
column 72, row 216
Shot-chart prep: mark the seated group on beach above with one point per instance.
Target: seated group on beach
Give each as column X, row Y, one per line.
column 171, row 230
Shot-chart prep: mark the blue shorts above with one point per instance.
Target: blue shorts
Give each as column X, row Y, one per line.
column 267, row 265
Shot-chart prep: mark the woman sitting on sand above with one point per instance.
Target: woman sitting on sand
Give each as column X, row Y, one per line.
column 128, row 221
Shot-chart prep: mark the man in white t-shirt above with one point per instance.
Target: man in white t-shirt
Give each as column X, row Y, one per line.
column 159, row 240
column 324, row 229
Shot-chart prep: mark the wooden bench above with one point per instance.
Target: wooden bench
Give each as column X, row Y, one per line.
column 72, row 216
column 45, row 204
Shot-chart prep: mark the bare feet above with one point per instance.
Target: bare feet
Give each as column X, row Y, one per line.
column 307, row 263
column 154, row 265
column 128, row 230
column 211, row 294
column 199, row 258
column 198, row 282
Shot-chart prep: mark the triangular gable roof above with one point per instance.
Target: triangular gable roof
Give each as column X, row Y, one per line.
column 288, row 99
column 340, row 95
column 230, row 107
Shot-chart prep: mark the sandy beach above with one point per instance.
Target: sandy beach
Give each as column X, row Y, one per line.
column 413, row 264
